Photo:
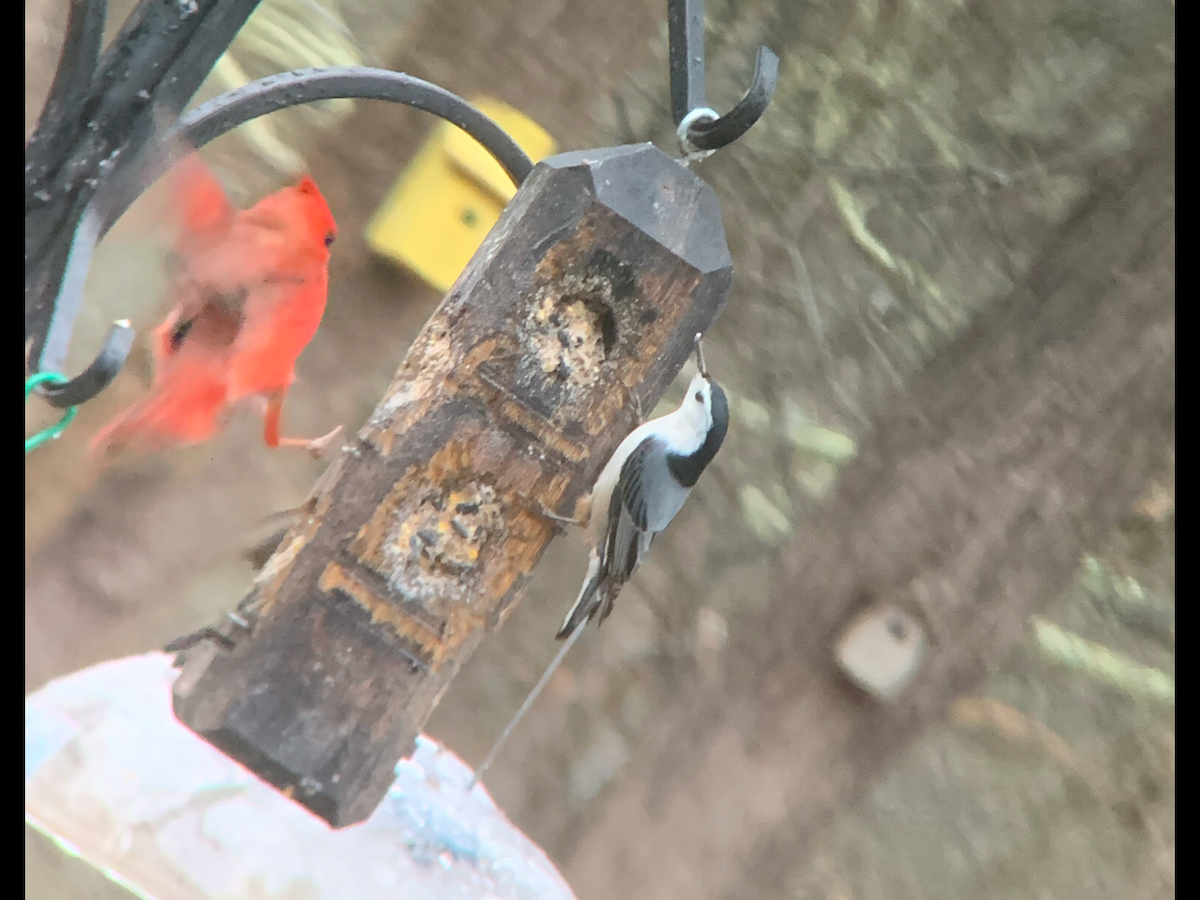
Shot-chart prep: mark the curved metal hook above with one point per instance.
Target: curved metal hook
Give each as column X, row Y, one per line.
column 117, row 343
column 275, row 92
column 208, row 122
column 97, row 376
column 712, row 135
column 702, row 131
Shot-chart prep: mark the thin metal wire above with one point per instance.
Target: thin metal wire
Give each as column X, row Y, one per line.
column 533, row 695
column 276, row 92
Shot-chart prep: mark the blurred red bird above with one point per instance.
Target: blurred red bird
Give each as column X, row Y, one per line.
column 248, row 289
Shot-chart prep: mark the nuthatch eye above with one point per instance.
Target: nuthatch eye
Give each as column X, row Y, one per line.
column 639, row 491
column 642, row 487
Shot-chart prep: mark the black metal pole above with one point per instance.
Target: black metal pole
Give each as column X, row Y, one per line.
column 162, row 55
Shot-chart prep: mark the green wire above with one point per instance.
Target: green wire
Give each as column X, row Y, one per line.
column 50, row 432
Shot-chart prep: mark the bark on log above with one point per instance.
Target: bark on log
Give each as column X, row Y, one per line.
column 588, row 290
column 969, row 507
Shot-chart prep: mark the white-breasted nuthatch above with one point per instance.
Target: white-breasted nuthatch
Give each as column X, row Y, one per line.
column 639, row 491
column 642, row 487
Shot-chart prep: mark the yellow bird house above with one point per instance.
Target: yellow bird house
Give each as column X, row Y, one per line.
column 440, row 209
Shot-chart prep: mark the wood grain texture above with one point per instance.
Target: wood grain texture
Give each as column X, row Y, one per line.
column 424, row 532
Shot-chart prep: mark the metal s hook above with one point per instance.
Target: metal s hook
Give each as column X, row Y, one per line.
column 163, row 53
column 76, row 68
column 117, row 343
column 702, row 130
column 98, row 375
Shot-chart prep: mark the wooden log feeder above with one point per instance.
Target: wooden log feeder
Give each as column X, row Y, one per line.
column 422, row 535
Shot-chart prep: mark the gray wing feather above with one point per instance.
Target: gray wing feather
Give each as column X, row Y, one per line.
column 647, row 489
column 645, row 500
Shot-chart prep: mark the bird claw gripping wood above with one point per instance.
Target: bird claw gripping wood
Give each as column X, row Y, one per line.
column 560, row 522
column 635, row 497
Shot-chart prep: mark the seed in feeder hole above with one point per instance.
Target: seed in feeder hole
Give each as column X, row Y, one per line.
column 469, row 218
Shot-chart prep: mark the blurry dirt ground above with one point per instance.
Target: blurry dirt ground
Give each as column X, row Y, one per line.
column 916, row 157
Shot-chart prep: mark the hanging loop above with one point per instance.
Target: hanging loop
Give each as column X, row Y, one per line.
column 704, row 134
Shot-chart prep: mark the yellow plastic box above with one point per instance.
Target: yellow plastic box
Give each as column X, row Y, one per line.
column 437, row 213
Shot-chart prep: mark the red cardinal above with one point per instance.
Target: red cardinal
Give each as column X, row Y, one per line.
column 248, row 289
